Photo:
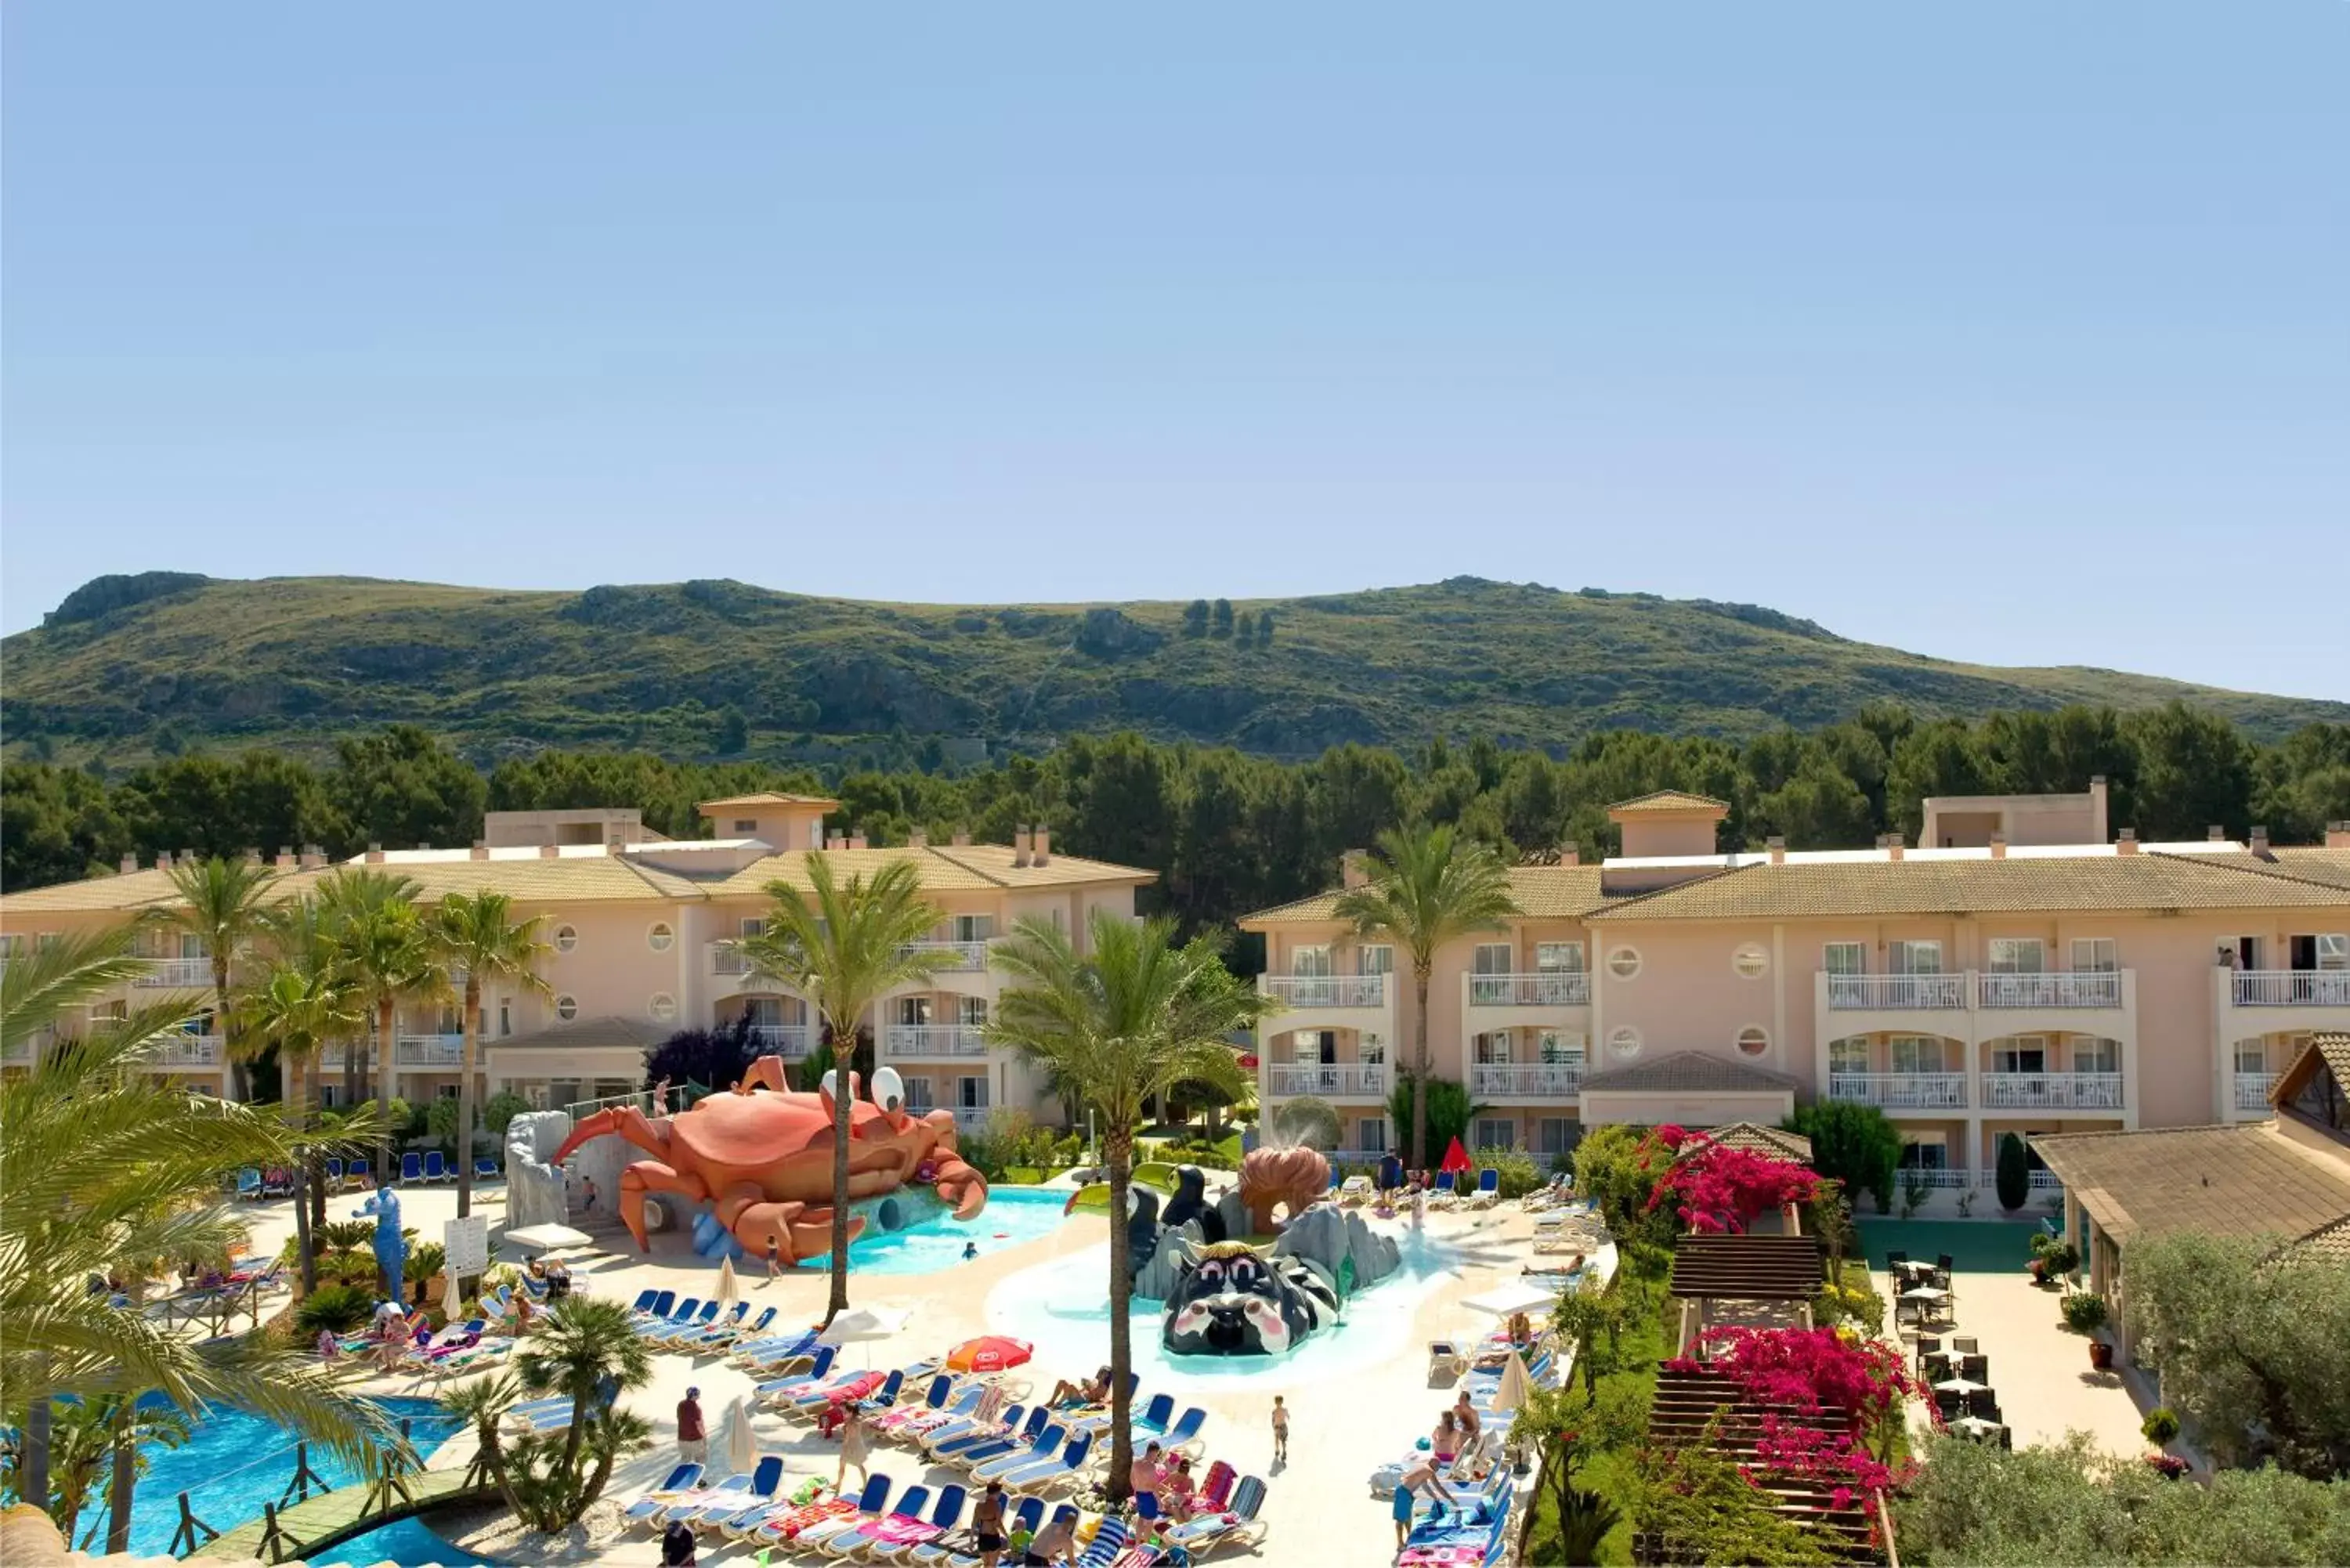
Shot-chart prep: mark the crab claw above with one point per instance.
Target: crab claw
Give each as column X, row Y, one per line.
column 960, row 1185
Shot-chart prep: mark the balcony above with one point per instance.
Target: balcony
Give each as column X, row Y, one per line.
column 2293, row 988
column 1934, row 1177
column 1526, row 1080
column 1901, row 1091
column 790, row 1041
column 430, row 1050
column 1897, row 993
column 969, row 1118
column 2080, row 988
column 910, row 1041
column 960, row 957
column 725, row 957
column 189, row 1050
column 1339, row 1157
column 2053, row 1091
column 1327, row 989
column 1337, row 1080
column 1552, row 989
column 2253, row 1091
column 331, row 1057
column 175, row 974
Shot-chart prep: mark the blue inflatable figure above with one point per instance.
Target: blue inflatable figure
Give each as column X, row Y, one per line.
column 390, row 1249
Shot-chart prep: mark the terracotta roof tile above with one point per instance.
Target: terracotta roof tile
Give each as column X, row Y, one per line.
column 1777, row 1143
column 962, row 867
column 587, row 1034
column 1665, row 800
column 1687, row 1071
column 765, row 797
column 2245, row 1180
column 1542, row 892
column 124, row 890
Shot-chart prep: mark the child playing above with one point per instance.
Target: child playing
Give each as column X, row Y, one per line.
column 1280, row 1431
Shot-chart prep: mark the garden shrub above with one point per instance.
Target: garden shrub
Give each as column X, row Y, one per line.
column 2161, row 1425
column 1520, row 1173
column 2012, row 1177
column 2084, row 1312
column 339, row 1308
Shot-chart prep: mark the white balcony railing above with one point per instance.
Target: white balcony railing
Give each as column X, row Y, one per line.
column 902, row 1041
column 175, row 973
column 972, row 1119
column 2252, row 1090
column 430, row 1050
column 1936, row 1177
column 962, row 957
column 190, row 1051
column 1898, row 992
column 1339, row 1078
column 1901, row 1091
column 2053, row 1091
column 2293, row 988
column 785, row 1040
column 1339, row 1157
column 2081, row 988
column 1328, row 990
column 725, row 957
column 1541, row 1080
column 1556, row 989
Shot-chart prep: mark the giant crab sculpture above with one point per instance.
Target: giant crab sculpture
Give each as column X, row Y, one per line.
column 761, row 1156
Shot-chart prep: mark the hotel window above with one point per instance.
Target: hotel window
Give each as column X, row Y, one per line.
column 1916, row 1054
column 1624, row 962
column 2095, row 955
column 566, row 1008
column 1845, row 958
column 1313, row 1046
column 663, row 1007
column 752, row 926
column 1925, row 1151
column 1310, row 962
column 1496, row 1132
column 1554, row 1136
column 2024, row 1053
column 913, row 1012
column 1371, row 1049
column 745, row 826
column 971, row 1011
column 1494, row 1049
column 1558, row 958
column 2091, row 1054
column 1751, row 962
column 1492, row 958
column 1848, row 1056
column 660, row 937
column 1754, row 1040
column 2331, row 950
column 1624, row 1043
column 918, row 1097
column 1372, row 1135
column 1560, row 1049
column 1376, row 958
column 1913, row 958
column 506, row 1016
column 2252, row 1057
column 2018, row 955
column 971, row 1094
column 565, row 938
column 973, row 927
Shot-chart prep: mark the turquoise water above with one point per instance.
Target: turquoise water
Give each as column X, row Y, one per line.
column 1063, row 1304
column 236, row 1461
column 1975, row 1246
column 1012, row 1215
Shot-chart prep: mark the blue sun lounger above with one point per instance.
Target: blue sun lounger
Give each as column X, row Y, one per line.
column 995, row 1466
column 766, row 1477
column 696, row 1333
column 872, row 1504
column 435, row 1168
column 1051, row 1469
column 677, row 1317
column 411, row 1168
column 952, row 1442
column 667, row 1332
column 681, row 1478
column 778, row 1388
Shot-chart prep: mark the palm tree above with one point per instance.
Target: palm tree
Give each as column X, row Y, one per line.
column 1427, row 887
column 844, row 945
column 106, row 1169
column 1128, row 1020
column 588, row 1347
column 304, row 1001
column 477, row 933
column 381, row 936
column 223, row 904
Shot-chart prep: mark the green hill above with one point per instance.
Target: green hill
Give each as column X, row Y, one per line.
column 129, row 665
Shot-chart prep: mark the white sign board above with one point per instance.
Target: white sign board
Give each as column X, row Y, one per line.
column 468, row 1243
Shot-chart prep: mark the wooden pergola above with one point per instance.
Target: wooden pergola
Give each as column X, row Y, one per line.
column 1773, row 1278
column 1687, row 1404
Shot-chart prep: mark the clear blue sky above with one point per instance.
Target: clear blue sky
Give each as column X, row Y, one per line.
column 2019, row 333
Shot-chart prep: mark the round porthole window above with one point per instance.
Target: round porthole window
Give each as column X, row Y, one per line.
column 1754, row 1040
column 566, row 1008
column 1624, row 1044
column 1624, row 962
column 1751, row 962
column 663, row 1007
column 565, row 938
column 660, row 939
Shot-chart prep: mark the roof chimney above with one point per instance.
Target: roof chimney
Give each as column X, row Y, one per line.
column 854, row 838
column 187, row 856
column 286, row 860
column 918, row 838
column 961, row 839
column 2337, row 836
column 2216, row 833
column 375, row 853
column 1044, row 847
column 481, row 849
column 2260, row 841
column 129, row 864
column 1022, row 844
column 1351, row 872
column 1999, row 847
column 253, row 856
column 1777, row 845
column 1893, row 847
column 1570, row 854
column 550, row 852
column 314, row 856
column 2125, row 841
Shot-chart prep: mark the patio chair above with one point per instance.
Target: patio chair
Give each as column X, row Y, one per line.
column 359, row 1173
column 1965, row 1344
column 248, row 1185
column 1893, row 1262
column 486, row 1168
column 435, row 1168
column 334, row 1172
column 412, row 1166
column 1943, row 1265
column 1928, row 1345
column 1984, row 1406
column 1975, row 1368
column 1950, row 1407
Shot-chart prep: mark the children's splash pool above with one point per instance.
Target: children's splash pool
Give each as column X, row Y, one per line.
column 1012, row 1215
column 1063, row 1304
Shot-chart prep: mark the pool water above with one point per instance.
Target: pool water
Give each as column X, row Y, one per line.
column 1975, row 1246
column 1063, row 1303
column 235, row 1461
column 1012, row 1215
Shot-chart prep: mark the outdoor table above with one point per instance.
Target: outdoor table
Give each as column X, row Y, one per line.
column 1962, row 1387
column 1912, row 1267
column 1976, row 1428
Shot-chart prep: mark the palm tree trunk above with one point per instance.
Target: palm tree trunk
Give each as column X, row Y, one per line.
column 1420, row 1067
column 839, row 1302
column 1117, row 1149
column 33, row 1478
column 240, row 1082
column 306, row 1228
column 126, row 1472
column 386, row 1064
column 465, row 1093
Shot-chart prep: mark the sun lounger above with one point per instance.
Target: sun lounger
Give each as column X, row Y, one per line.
column 968, row 1432
column 1110, row 1538
column 411, row 1168
column 1234, row 1526
column 813, row 1399
column 766, row 1480
column 896, row 1537
column 435, row 1168
column 1355, row 1190
column 782, row 1387
column 792, row 1525
column 777, row 1354
column 666, row 1332
column 867, row 1531
column 896, row 1420
column 679, row 1481
column 700, row 1334
column 1184, row 1435
column 676, row 1317
column 486, row 1168
column 1042, row 1463
column 359, row 1173
column 986, row 1461
column 1489, row 1188
column 722, row 1335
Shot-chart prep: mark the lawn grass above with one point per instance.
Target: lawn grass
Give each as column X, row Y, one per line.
column 1650, row 1337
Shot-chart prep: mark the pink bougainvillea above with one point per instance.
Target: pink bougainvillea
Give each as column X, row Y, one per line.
column 1722, row 1188
column 1835, row 1460
column 1811, row 1369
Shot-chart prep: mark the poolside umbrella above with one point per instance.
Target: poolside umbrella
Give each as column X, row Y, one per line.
column 862, row 1325
column 549, row 1237
column 1514, row 1296
column 1515, row 1384
column 989, row 1353
column 1456, row 1158
column 742, row 1445
column 728, row 1290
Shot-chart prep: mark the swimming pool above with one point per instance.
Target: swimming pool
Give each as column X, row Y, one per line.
column 235, row 1461
column 1063, row 1303
column 1012, row 1215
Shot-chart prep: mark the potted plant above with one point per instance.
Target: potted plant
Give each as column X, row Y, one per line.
column 2085, row 1314
column 2161, row 1425
column 2170, row 1467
